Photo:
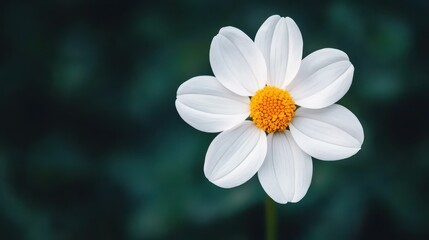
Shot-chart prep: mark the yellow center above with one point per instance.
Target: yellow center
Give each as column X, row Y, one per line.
column 272, row 109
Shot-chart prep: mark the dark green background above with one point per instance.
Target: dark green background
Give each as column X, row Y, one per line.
column 91, row 145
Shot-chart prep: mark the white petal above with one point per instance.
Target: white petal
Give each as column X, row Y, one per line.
column 236, row 62
column 286, row 172
column 280, row 41
column 331, row 133
column 235, row 155
column 208, row 106
column 323, row 79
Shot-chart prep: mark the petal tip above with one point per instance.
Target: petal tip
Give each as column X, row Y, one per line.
column 273, row 17
column 289, row 19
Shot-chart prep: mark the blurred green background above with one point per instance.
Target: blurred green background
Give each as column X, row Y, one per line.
column 91, row 145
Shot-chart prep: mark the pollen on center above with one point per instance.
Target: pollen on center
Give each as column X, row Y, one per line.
column 272, row 109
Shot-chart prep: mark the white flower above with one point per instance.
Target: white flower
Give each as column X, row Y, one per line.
column 270, row 71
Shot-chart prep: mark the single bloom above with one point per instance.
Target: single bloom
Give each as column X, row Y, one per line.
column 274, row 109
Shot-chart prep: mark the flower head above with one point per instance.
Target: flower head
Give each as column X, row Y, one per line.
column 290, row 102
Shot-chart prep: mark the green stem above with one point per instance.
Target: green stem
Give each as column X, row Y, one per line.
column 270, row 219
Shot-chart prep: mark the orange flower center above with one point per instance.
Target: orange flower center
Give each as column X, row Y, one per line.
column 272, row 109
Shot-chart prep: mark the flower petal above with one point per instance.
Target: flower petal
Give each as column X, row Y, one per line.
column 208, row 106
column 280, row 41
column 286, row 172
column 323, row 79
column 235, row 155
column 331, row 133
column 236, row 62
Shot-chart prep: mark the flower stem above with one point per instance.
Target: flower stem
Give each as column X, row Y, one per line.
column 270, row 219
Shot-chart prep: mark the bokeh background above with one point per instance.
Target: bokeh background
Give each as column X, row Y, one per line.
column 91, row 145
